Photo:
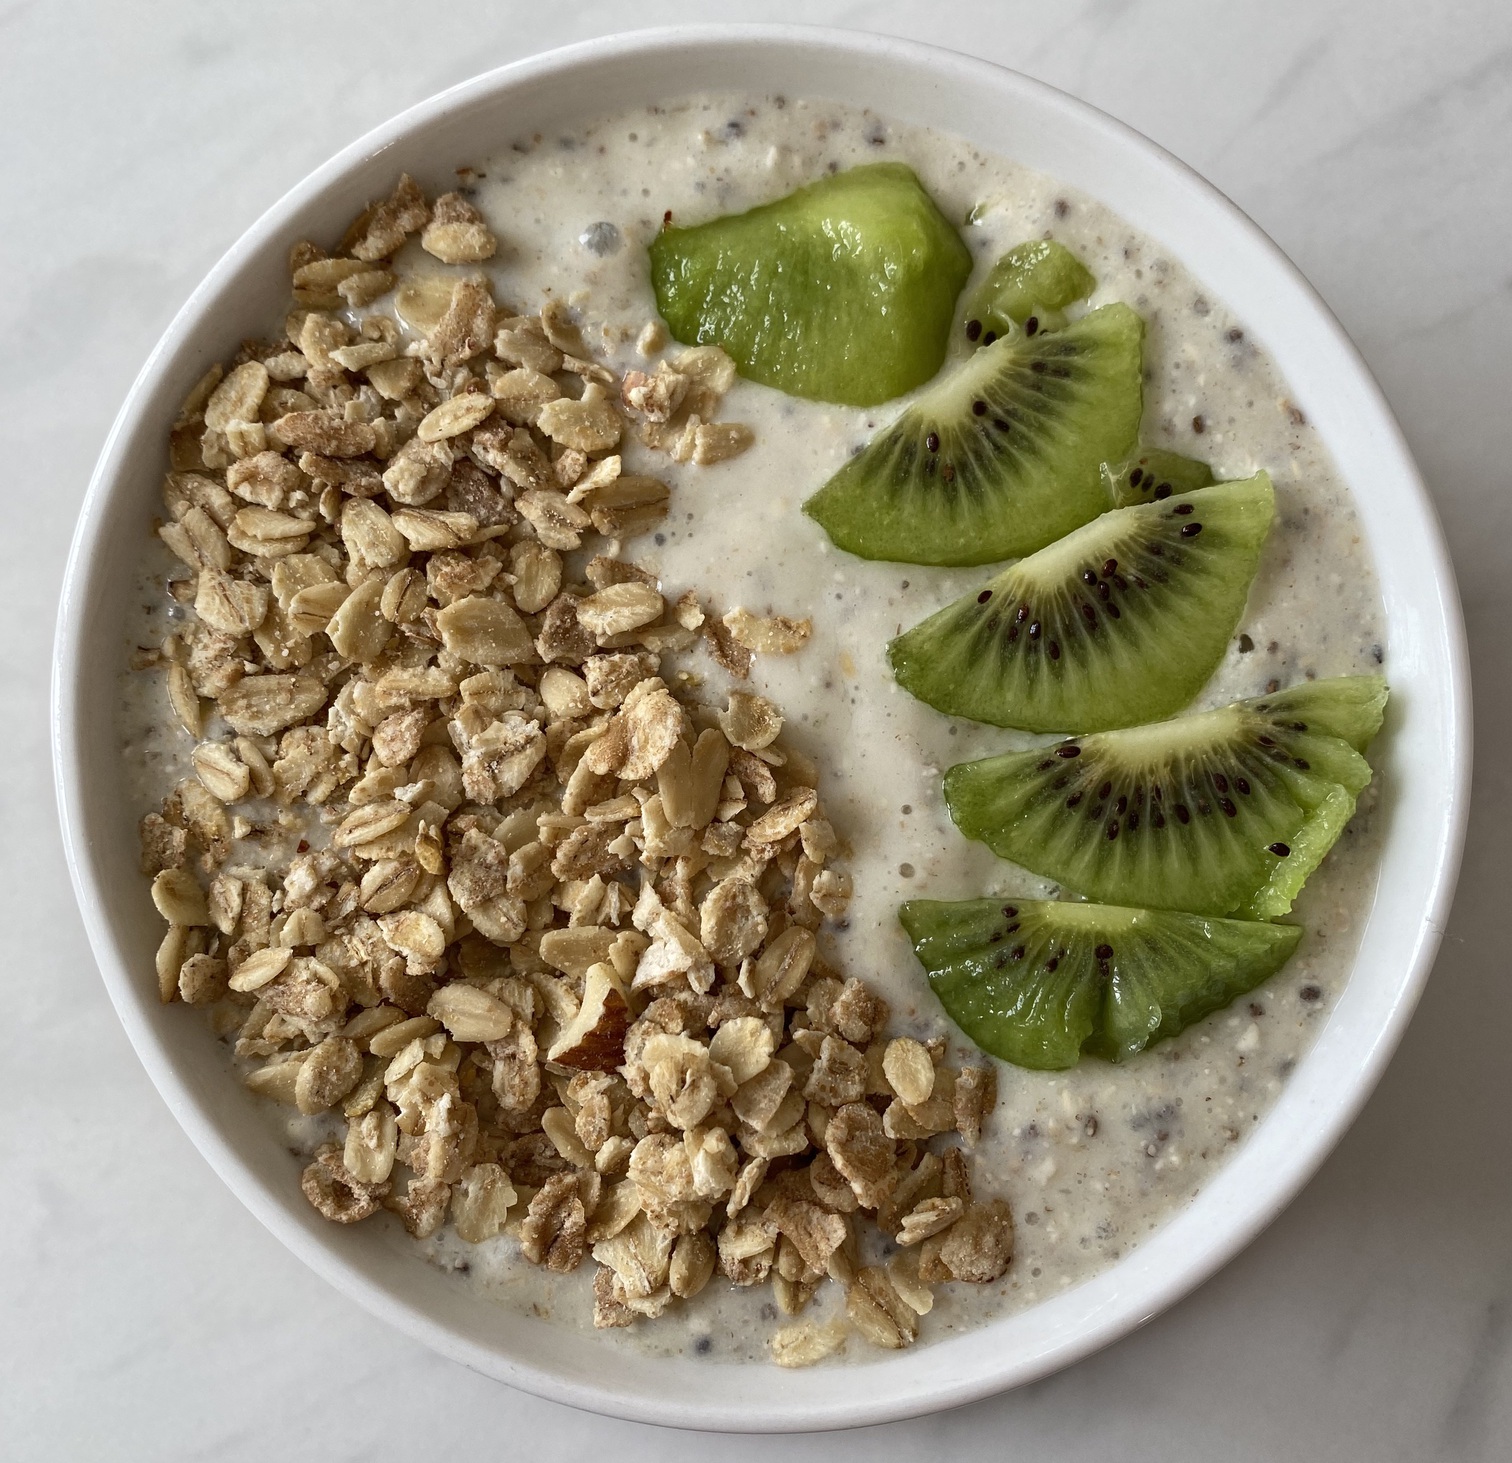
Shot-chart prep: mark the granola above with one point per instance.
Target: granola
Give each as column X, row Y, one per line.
column 549, row 950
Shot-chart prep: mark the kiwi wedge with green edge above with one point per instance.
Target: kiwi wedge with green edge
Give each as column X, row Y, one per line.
column 1153, row 474
column 1028, row 288
column 999, row 458
column 843, row 291
column 1120, row 622
column 1039, row 983
column 1215, row 813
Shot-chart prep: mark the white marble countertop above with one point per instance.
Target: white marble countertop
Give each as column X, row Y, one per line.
column 144, row 1314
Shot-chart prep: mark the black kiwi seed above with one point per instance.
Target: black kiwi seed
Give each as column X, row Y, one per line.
column 984, row 596
column 1088, row 577
column 1136, row 477
column 1121, row 806
column 1280, row 850
column 1163, row 491
column 1001, row 425
column 932, row 441
column 1031, row 325
column 1190, row 530
column 1069, row 750
column 1115, row 612
column 1022, row 615
column 1103, row 791
column 1110, row 568
column 1074, row 799
column 1052, row 962
column 1112, row 830
column 1017, row 953
column 1054, row 650
column 1182, row 815
column 979, row 408
column 1090, row 616
column 1229, row 810
column 1010, row 911
column 1181, row 510
column 989, row 337
column 973, row 329
column 1104, row 952
column 1220, row 782
column 1034, row 630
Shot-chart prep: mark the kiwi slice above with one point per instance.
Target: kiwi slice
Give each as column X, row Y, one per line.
column 1038, row 983
column 1153, row 474
column 1205, row 813
column 1001, row 457
column 1028, row 288
column 843, row 291
column 1120, row 622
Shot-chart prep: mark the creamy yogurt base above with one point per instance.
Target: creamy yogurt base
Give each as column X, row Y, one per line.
column 1094, row 1159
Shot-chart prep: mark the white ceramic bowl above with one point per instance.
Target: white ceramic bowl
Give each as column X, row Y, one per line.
column 1427, row 749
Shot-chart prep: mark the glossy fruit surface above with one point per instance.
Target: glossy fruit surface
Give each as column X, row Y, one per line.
column 843, row 291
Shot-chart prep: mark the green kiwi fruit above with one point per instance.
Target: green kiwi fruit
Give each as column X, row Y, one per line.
column 1120, row 622
column 1151, row 475
column 1039, row 983
column 1213, row 813
column 1001, row 457
column 1028, row 288
column 843, row 291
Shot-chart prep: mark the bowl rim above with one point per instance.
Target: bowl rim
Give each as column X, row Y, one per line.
column 193, row 1111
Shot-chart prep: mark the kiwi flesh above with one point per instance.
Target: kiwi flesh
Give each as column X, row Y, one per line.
column 1120, row 622
column 1029, row 289
column 843, row 291
column 1151, row 475
column 1002, row 456
column 1039, row 983
column 1222, row 811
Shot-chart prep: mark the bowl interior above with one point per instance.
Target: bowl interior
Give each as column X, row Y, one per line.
column 1427, row 750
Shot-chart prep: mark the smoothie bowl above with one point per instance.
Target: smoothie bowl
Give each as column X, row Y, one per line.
column 740, row 671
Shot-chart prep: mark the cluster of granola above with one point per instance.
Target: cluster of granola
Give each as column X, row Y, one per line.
column 460, row 866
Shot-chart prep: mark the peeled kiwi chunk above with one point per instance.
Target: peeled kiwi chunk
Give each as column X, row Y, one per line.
column 1153, row 474
column 1122, row 621
column 1033, row 281
column 1002, row 456
column 1039, row 983
column 1216, row 813
column 843, row 291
